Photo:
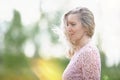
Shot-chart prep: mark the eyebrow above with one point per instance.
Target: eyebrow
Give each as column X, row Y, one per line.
column 71, row 22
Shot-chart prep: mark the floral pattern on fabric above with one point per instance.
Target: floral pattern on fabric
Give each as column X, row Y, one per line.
column 84, row 65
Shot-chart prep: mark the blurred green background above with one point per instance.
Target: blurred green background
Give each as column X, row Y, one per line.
column 32, row 51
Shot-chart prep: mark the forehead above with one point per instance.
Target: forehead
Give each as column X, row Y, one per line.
column 72, row 17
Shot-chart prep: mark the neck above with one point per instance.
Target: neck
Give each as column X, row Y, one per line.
column 82, row 42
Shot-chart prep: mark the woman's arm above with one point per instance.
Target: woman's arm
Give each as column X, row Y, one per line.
column 91, row 65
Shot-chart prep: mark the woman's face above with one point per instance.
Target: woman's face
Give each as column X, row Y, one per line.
column 75, row 30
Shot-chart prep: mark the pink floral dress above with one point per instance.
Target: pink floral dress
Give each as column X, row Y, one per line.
column 84, row 65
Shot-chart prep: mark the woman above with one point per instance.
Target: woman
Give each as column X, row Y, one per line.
column 84, row 56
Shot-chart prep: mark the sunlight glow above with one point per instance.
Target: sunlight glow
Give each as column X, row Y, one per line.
column 46, row 70
column 29, row 49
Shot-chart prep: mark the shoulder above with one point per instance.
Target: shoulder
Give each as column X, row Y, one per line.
column 89, row 47
column 90, row 50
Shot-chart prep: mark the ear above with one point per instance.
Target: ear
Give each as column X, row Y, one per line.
column 85, row 31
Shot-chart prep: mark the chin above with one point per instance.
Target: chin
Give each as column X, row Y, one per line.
column 73, row 41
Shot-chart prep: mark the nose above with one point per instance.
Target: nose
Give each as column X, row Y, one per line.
column 69, row 29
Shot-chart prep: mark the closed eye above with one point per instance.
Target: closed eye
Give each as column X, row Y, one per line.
column 73, row 24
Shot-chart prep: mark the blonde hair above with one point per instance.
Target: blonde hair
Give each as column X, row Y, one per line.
column 86, row 18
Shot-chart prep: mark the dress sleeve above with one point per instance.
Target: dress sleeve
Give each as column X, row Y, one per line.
column 91, row 65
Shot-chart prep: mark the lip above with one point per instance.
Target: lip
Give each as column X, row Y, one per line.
column 71, row 34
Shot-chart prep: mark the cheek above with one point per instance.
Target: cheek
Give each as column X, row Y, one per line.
column 79, row 33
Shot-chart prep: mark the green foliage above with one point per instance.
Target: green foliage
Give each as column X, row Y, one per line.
column 14, row 37
column 107, row 73
column 14, row 65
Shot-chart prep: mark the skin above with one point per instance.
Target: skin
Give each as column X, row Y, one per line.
column 75, row 31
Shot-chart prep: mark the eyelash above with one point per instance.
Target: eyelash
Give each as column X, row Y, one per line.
column 72, row 24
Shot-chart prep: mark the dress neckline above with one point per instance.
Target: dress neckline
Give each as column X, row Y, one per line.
column 89, row 42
